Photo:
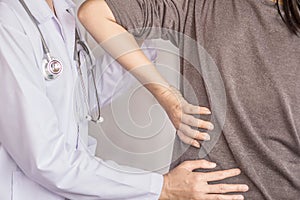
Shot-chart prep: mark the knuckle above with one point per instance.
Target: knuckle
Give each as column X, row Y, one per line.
column 202, row 196
column 201, row 123
column 200, row 178
column 180, row 135
column 186, row 163
column 222, row 174
column 202, row 163
column 195, row 134
column 181, row 126
column 187, row 108
column 191, row 120
column 194, row 188
column 188, row 130
column 196, row 196
column 222, row 188
column 220, row 197
column 191, row 141
column 177, row 118
column 239, row 197
column 178, row 107
column 178, row 113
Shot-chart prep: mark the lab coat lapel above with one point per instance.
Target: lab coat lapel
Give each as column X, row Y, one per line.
column 39, row 9
column 65, row 14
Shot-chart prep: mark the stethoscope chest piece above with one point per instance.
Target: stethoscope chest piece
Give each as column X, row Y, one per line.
column 52, row 68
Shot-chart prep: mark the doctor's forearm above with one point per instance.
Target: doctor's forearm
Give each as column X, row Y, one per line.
column 100, row 22
column 98, row 18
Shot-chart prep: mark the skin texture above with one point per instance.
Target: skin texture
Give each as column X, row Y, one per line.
column 133, row 59
column 111, row 35
column 182, row 182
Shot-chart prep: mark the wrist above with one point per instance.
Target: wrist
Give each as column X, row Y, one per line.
column 158, row 89
column 168, row 97
column 165, row 189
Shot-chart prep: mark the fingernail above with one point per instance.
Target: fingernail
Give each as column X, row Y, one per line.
column 240, row 197
column 238, row 171
column 207, row 111
column 196, row 144
column 206, row 137
column 213, row 165
column 245, row 188
column 211, row 127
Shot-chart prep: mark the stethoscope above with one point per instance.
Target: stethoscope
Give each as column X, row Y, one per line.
column 53, row 67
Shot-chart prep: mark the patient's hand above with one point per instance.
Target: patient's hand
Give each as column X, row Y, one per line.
column 182, row 183
column 181, row 114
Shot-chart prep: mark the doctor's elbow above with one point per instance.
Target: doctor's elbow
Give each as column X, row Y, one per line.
column 45, row 175
column 51, row 171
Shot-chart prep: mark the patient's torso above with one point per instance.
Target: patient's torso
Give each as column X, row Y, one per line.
column 259, row 62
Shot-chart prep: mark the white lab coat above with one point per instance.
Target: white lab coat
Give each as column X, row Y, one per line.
column 42, row 156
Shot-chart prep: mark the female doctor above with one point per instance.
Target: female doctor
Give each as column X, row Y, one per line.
column 45, row 151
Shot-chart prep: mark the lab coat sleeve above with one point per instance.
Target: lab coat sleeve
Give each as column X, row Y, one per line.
column 31, row 135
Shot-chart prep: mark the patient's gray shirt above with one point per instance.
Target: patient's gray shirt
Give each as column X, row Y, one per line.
column 256, row 105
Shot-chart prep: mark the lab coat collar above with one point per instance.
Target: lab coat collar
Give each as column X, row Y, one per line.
column 41, row 11
column 68, row 4
column 64, row 4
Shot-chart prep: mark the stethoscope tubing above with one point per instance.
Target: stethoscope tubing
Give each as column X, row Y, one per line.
column 52, row 67
column 45, row 46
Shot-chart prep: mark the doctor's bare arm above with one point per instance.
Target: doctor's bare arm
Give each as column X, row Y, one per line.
column 99, row 20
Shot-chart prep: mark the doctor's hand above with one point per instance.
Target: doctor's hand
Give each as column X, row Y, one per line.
column 181, row 114
column 184, row 184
